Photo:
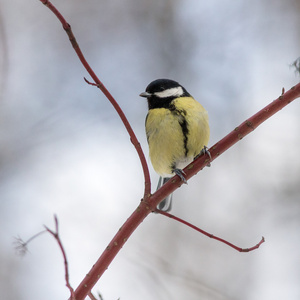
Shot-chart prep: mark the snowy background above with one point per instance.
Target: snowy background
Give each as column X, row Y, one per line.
column 64, row 150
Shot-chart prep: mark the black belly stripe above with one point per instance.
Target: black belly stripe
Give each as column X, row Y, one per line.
column 180, row 114
column 185, row 131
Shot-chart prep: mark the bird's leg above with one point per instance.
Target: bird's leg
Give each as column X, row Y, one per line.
column 203, row 152
column 181, row 174
column 206, row 151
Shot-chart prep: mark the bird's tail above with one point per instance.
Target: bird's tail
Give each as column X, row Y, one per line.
column 166, row 204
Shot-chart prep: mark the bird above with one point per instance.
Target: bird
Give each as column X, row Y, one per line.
column 177, row 131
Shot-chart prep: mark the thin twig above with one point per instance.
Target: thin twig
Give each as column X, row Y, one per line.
column 55, row 234
column 209, row 234
column 21, row 246
column 92, row 297
column 296, row 65
column 100, row 85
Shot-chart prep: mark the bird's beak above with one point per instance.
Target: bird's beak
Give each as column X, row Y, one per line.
column 145, row 94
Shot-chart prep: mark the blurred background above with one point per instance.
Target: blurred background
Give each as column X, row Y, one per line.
column 64, row 151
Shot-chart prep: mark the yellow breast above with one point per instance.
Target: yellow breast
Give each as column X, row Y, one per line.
column 170, row 145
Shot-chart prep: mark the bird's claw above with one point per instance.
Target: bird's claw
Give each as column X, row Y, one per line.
column 203, row 152
column 181, row 174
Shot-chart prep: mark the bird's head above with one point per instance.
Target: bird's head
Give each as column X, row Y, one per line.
column 161, row 92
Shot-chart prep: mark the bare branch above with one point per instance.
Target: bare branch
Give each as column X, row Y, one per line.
column 296, row 66
column 55, row 234
column 92, row 297
column 21, row 246
column 209, row 234
column 100, row 85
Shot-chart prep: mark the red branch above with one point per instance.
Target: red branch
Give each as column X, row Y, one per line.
column 209, row 234
column 149, row 202
column 148, row 205
column 240, row 132
column 99, row 84
column 55, row 234
column 92, row 297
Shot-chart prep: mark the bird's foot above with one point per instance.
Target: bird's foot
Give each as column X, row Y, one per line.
column 181, row 174
column 203, row 152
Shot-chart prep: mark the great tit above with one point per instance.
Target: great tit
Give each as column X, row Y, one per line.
column 177, row 130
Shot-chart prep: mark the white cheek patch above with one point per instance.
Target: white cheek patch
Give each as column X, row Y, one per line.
column 172, row 92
